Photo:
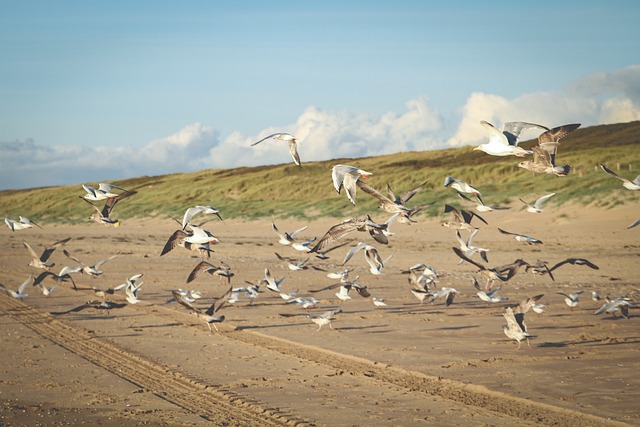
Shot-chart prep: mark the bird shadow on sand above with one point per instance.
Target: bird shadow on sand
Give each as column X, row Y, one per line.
column 164, row 325
column 279, row 325
column 564, row 327
column 455, row 328
column 591, row 342
column 359, row 328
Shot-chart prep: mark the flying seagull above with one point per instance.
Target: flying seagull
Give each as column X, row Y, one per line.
column 505, row 142
column 544, row 154
column 521, row 237
column 629, row 185
column 23, row 223
column 345, row 176
column 536, row 207
column 515, row 327
column 290, row 139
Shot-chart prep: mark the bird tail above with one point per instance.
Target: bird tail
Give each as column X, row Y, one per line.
column 562, row 170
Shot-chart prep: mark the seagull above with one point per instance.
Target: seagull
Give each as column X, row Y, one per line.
column 515, row 327
column 102, row 216
column 461, row 219
column 575, row 261
column 544, row 154
column 468, row 249
column 195, row 238
column 530, row 303
column 23, row 223
column 223, row 271
column 347, row 285
column 324, row 318
column 389, row 205
column 191, row 212
column 40, row 261
column 340, row 275
column 287, row 238
column 537, row 206
column 595, row 296
column 460, row 186
column 571, row 299
column 91, row 270
column 539, row 268
column 521, row 237
column 63, row 277
column 347, row 176
column 379, row 302
column 615, row 305
column 505, row 142
column 421, row 294
column 293, row 264
column 488, row 296
column 480, row 205
column 306, row 302
column 629, row 185
column 491, row 274
column 371, row 255
column 290, row 139
column 19, row 294
column 404, row 198
column 349, row 225
column 131, row 289
column 103, row 192
column 447, row 293
column 271, row 283
column 207, row 316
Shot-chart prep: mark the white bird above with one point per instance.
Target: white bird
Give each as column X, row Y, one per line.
column 421, row 294
column 91, row 270
column 515, row 327
column 371, row 255
column 272, row 284
column 19, row 294
column 522, row 237
column 447, row 293
column 287, row 239
column 23, row 223
column 189, row 239
column 347, row 176
column 41, row 261
column 324, row 318
column 505, row 142
column 340, row 275
column 288, row 138
column 480, row 205
column 379, row 302
column 460, row 185
column 305, row 302
column 537, row 206
column 571, row 299
column 491, row 297
column 629, row 185
column 343, row 293
column 103, row 192
column 191, row 212
column 468, row 249
column 293, row 264
column 615, row 305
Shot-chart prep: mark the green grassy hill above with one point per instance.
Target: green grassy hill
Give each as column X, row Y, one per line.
column 290, row 191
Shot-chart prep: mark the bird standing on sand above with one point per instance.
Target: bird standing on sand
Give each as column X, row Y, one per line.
column 515, row 327
column 324, row 318
column 288, row 138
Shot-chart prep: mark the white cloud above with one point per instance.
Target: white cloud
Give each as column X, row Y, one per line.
column 597, row 99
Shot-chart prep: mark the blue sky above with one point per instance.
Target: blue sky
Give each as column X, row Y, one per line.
column 94, row 91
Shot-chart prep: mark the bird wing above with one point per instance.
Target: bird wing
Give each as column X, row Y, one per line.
column 512, row 130
column 173, row 241
column 406, row 196
column 469, row 260
column 336, row 232
column 542, row 200
column 293, row 150
column 353, row 251
column 265, row 138
column 201, row 267
column 49, row 250
column 219, row 303
column 557, row 133
column 31, row 251
column 495, row 135
column 512, row 323
column 613, row 174
column 64, row 251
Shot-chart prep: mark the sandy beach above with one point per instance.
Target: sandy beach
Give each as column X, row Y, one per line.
column 404, row 364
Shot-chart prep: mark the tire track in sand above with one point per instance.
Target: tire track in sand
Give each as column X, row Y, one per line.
column 217, row 405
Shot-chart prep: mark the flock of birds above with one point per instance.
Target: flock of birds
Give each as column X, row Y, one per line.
column 423, row 279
